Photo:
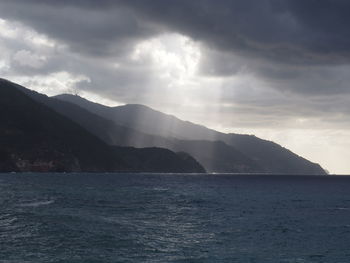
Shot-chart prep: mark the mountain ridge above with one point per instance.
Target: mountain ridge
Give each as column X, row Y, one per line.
column 114, row 134
column 35, row 138
column 269, row 156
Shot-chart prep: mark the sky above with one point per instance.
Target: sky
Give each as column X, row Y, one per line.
column 279, row 69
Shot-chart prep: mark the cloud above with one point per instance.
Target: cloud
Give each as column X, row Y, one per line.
column 128, row 51
column 283, row 30
column 297, row 47
column 84, row 28
column 27, row 59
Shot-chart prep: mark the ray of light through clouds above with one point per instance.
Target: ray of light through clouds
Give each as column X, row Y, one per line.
column 276, row 69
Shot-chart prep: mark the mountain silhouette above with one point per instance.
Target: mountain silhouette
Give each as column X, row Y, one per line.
column 35, row 137
column 218, row 152
column 215, row 156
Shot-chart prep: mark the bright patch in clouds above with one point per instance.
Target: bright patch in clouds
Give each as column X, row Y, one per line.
column 175, row 58
column 8, row 30
column 3, row 66
column 53, row 84
column 27, row 58
column 12, row 30
column 175, row 55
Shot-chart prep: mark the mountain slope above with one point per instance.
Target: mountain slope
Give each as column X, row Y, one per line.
column 145, row 119
column 32, row 134
column 272, row 157
column 214, row 156
column 267, row 156
column 34, row 137
column 105, row 129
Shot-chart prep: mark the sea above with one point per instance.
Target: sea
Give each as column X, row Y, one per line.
column 174, row 218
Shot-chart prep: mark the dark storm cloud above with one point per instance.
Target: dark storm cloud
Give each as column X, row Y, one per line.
column 277, row 39
column 294, row 46
column 313, row 31
column 300, row 46
column 89, row 27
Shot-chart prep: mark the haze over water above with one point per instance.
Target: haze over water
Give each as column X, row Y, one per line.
column 173, row 218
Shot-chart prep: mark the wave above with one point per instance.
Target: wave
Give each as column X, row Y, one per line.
column 37, row 203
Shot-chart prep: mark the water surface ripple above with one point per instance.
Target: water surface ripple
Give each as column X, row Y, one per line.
column 174, row 218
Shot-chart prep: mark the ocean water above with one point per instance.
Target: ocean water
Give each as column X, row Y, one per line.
column 174, row 218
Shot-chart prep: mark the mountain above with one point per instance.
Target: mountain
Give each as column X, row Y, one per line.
column 34, row 137
column 213, row 155
column 107, row 130
column 244, row 153
column 158, row 160
column 216, row 156
column 145, row 119
column 272, row 157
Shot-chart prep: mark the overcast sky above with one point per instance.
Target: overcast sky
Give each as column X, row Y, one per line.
column 279, row 69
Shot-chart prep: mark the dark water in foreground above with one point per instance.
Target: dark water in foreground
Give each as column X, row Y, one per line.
column 174, row 218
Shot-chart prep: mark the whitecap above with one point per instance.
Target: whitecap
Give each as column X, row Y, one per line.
column 160, row 189
column 339, row 208
column 343, row 208
column 37, row 203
